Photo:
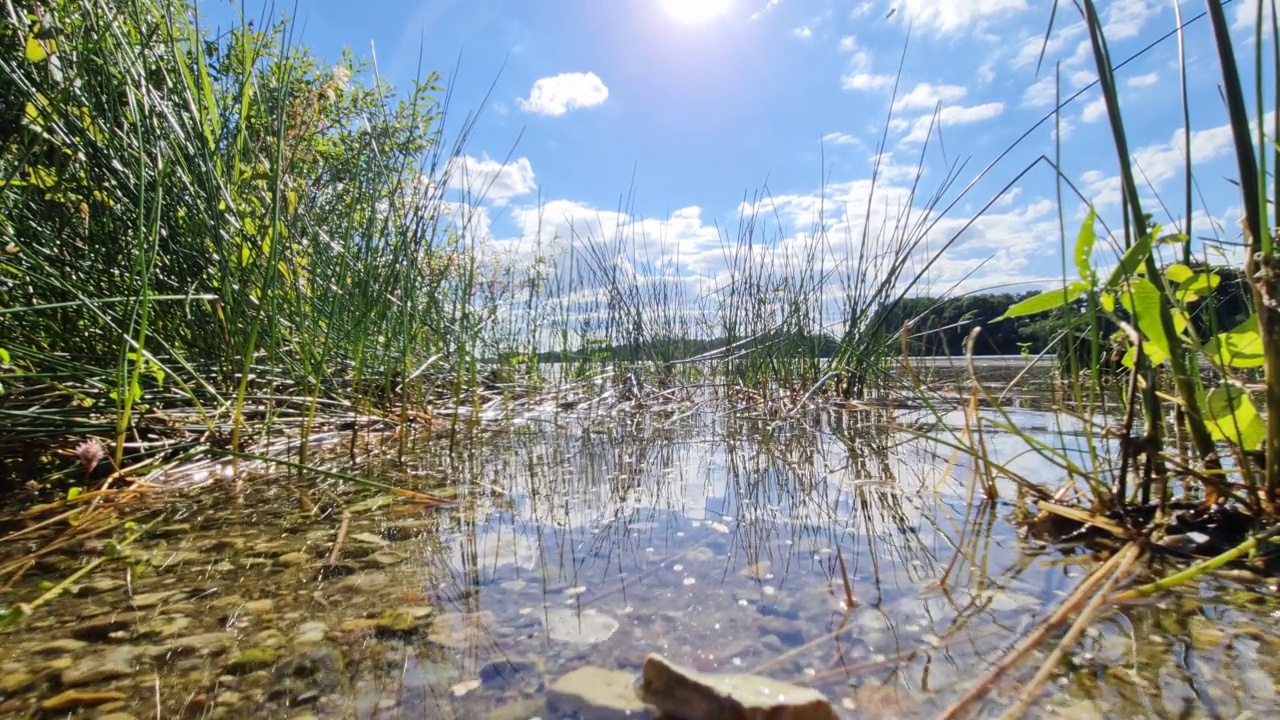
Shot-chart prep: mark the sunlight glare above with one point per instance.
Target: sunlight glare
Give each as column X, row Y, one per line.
column 695, row 11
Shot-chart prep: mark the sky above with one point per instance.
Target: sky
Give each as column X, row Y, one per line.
column 676, row 111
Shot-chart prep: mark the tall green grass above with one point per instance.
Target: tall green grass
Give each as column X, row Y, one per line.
column 214, row 238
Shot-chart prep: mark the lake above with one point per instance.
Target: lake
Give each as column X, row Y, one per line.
column 718, row 535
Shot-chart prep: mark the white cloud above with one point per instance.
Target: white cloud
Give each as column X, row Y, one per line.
column 839, row 138
column 1041, row 93
column 1080, row 78
column 953, row 16
column 1146, row 80
column 865, row 81
column 491, row 179
column 1029, row 52
column 1246, row 15
column 1094, row 111
column 848, row 43
column 952, row 115
column 1163, row 162
column 1126, row 18
column 926, row 96
column 558, row 94
column 767, row 7
column 803, row 32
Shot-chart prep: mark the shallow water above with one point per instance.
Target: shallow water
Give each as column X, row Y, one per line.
column 714, row 539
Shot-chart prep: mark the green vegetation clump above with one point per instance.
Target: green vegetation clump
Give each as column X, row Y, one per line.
column 197, row 228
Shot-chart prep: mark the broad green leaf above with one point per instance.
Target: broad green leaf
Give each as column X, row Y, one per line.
column 1132, row 260
column 1239, row 347
column 1108, row 301
column 1142, row 300
column 4, row 357
column 1084, row 247
column 35, row 50
column 1232, row 417
column 1047, row 300
column 1198, row 286
column 1177, row 272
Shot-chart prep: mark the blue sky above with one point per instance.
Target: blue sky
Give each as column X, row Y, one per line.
column 700, row 111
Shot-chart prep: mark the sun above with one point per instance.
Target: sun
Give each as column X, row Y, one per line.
column 695, row 11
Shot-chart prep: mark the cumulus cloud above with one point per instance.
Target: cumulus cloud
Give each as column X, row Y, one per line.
column 865, row 81
column 1094, row 111
column 1126, row 18
column 803, row 32
column 558, row 94
column 947, row 17
column 1040, row 93
column 952, row 115
column 926, row 96
column 1162, row 162
column 1146, row 80
column 839, row 138
column 490, row 179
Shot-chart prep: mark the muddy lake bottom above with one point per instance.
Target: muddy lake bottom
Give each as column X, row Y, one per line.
column 713, row 539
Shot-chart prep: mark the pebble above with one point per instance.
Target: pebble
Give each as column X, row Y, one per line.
column 109, row 664
column 75, row 699
column 259, row 607
column 291, row 559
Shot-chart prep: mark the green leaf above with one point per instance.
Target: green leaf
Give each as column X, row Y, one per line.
column 1197, row 287
column 1132, row 260
column 1177, row 272
column 35, row 50
column 74, row 493
column 1047, row 300
column 1231, row 416
column 1142, row 300
column 1239, row 347
column 1084, row 247
column 1108, row 301
column 4, row 357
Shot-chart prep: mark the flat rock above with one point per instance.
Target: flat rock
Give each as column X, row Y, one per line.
column 58, row 647
column 363, row 582
column 165, row 626
column 311, row 632
column 692, row 695
column 291, row 559
column 460, row 630
column 594, row 693
column 519, row 710
column 509, row 671
column 203, row 644
column 104, row 626
column 150, row 600
column 109, row 664
column 75, row 699
column 581, row 628
column 16, row 682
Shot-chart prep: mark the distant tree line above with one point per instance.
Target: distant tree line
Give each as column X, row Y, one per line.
column 941, row 326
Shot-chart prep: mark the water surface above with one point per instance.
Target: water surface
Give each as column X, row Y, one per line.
column 718, row 538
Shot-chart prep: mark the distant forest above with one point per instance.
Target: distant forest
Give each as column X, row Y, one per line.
column 938, row 327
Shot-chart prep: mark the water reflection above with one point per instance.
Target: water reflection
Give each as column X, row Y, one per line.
column 718, row 541
column 722, row 540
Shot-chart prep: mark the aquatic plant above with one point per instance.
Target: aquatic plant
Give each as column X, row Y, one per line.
column 213, row 239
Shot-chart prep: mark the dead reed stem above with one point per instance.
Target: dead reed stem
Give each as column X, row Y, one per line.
column 1069, row 607
column 1127, row 557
